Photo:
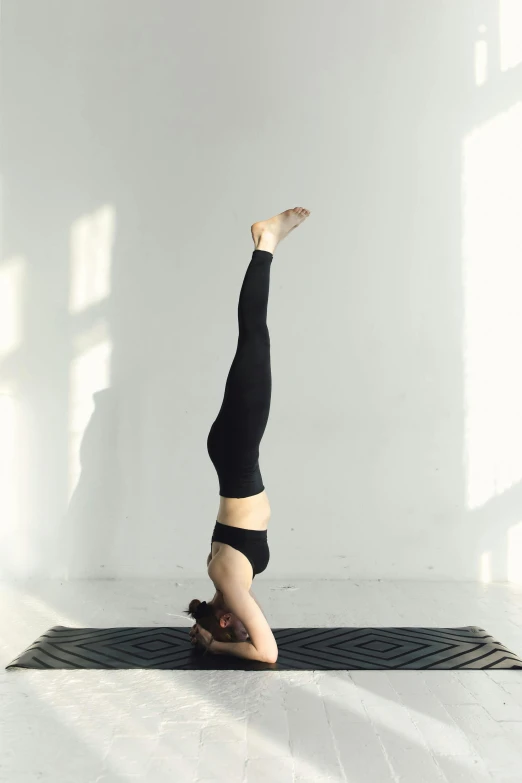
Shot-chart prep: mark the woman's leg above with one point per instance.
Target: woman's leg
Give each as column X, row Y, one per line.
column 234, row 438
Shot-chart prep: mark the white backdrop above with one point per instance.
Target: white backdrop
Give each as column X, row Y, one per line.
column 140, row 141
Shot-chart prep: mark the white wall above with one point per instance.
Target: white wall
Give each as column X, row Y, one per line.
column 140, row 141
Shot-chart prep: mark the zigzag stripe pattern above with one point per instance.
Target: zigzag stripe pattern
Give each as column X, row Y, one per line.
column 299, row 648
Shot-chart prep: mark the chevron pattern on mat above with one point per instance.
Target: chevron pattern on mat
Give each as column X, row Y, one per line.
column 299, row 648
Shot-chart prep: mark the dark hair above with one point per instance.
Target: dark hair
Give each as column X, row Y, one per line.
column 205, row 615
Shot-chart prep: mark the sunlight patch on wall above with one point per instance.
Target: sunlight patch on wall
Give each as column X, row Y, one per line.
column 89, row 373
column 481, row 58
column 492, row 281
column 8, row 439
column 12, row 542
column 485, row 567
column 510, row 29
column 11, row 283
column 514, row 554
column 92, row 239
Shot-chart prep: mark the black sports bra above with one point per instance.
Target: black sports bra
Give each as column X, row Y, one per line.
column 252, row 543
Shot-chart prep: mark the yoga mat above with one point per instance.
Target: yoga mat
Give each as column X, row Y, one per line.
column 299, row 649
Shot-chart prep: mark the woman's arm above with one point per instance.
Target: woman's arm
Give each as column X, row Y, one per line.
column 257, row 602
column 241, row 649
column 262, row 641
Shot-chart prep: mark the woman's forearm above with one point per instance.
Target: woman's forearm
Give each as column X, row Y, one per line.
column 257, row 602
column 241, row 649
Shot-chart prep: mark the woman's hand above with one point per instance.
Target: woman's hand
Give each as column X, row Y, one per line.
column 199, row 635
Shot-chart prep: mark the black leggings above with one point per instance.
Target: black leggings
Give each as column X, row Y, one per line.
column 234, row 438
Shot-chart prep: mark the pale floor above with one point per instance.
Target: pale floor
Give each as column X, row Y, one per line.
column 274, row 727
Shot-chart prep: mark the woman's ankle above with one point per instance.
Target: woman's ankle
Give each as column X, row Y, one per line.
column 266, row 242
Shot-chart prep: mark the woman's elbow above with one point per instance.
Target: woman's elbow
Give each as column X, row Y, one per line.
column 271, row 657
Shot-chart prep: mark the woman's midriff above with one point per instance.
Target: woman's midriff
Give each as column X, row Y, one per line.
column 252, row 513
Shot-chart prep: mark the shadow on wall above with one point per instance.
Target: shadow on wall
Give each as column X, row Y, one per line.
column 426, row 318
column 95, row 505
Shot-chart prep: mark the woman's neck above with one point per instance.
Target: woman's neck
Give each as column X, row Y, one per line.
column 217, row 601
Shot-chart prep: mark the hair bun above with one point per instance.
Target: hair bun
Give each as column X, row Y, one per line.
column 198, row 609
column 201, row 609
column 193, row 606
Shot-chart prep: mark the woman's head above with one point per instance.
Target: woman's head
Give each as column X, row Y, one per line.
column 223, row 625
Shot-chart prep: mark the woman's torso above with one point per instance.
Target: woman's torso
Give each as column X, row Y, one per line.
column 252, row 513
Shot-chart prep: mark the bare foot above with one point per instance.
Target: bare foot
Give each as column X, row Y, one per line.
column 268, row 233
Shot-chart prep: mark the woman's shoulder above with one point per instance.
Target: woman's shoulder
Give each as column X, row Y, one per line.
column 230, row 568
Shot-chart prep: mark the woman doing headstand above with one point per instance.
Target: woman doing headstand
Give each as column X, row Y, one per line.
column 233, row 622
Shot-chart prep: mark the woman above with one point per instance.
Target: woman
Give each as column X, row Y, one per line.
column 233, row 622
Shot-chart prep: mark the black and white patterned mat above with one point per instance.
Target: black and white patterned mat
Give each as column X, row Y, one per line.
column 299, row 648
